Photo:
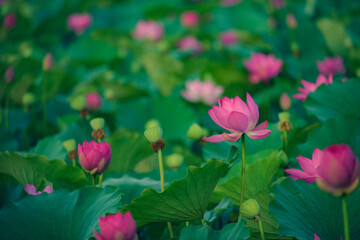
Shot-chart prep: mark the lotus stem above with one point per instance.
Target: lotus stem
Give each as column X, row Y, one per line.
column 261, row 228
column 73, row 161
column 346, row 218
column 93, row 179
column 100, row 179
column 7, row 113
column 43, row 101
column 285, row 140
column 243, row 172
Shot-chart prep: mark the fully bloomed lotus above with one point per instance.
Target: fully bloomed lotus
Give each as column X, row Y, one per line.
column 94, row 157
column 116, row 227
column 239, row 118
column 148, row 30
column 189, row 19
column 331, row 66
column 79, row 22
column 263, row 67
column 311, row 87
column 190, row 43
column 206, row 92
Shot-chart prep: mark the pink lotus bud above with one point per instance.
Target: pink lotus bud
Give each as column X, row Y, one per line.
column 48, row 62
column 189, row 19
column 94, row 157
column 229, row 38
column 291, row 21
column 31, row 190
column 9, row 75
column 239, row 118
column 316, row 237
column 10, row 21
column 117, row 226
column 93, row 101
column 277, row 3
column 311, row 87
column 339, row 170
column 191, row 44
column 229, row 3
column 330, row 66
column 263, row 67
column 206, row 92
column 148, row 30
column 285, row 102
column 79, row 22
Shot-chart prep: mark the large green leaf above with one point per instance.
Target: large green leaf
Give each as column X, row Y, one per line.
column 332, row 100
column 230, row 231
column 51, row 148
column 302, row 209
column 40, row 171
column 184, row 200
column 128, row 148
column 58, row 215
column 335, row 34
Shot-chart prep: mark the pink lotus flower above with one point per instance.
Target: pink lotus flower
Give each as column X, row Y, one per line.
column 189, row 19
column 331, row 66
column 263, row 67
column 338, row 170
column 316, row 237
column 229, row 38
column 48, row 62
column 311, row 87
column 31, row 190
column 229, row 3
column 10, row 21
column 277, row 3
column 79, row 22
column 94, row 157
column 190, row 43
column 148, row 30
column 197, row 91
column 117, row 226
column 237, row 117
column 291, row 21
column 285, row 102
column 9, row 75
column 310, row 167
column 93, row 101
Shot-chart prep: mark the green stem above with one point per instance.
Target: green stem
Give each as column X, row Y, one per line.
column 170, row 230
column 203, row 222
column 43, row 101
column 73, row 161
column 261, row 228
column 285, row 140
column 93, row 180
column 346, row 218
column 7, row 113
column 243, row 172
column 99, row 140
column 187, row 223
column 100, row 179
column 0, row 115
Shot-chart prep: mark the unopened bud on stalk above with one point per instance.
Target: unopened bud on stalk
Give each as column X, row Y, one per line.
column 97, row 125
column 285, row 102
column 154, row 135
column 250, row 208
column 9, row 75
column 174, row 160
column 48, row 62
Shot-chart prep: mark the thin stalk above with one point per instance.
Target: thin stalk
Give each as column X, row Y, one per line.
column 161, row 168
column 7, row 112
column 99, row 140
column 0, row 115
column 73, row 161
column 261, row 228
column 243, row 172
column 203, row 222
column 346, row 218
column 187, row 223
column 100, row 179
column 93, row 180
column 285, row 140
column 43, row 100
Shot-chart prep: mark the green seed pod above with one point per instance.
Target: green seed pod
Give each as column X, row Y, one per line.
column 250, row 208
column 152, row 123
column 97, row 123
column 153, row 134
column 195, row 132
column 28, row 99
column 284, row 116
column 78, row 103
column 69, row 145
column 174, row 160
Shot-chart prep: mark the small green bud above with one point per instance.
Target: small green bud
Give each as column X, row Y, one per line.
column 78, row 103
column 69, row 145
column 174, row 160
column 284, row 116
column 109, row 93
column 195, row 132
column 153, row 134
column 97, row 123
column 152, row 123
column 28, row 99
column 250, row 208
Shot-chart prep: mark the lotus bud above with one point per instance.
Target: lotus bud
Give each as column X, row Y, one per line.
column 94, row 157
column 174, row 160
column 291, row 21
column 154, row 135
column 285, row 102
column 97, row 125
column 9, row 75
column 28, row 99
column 48, row 62
column 195, row 132
column 152, row 123
column 250, row 208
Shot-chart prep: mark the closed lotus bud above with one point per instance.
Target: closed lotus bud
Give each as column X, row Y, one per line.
column 28, row 99
column 9, row 75
column 291, row 21
column 78, row 103
column 195, row 132
column 48, row 62
column 338, row 170
column 250, row 208
column 69, row 145
column 285, row 102
column 93, row 101
column 94, row 157
column 152, row 123
column 97, row 123
column 117, row 226
column 174, row 160
column 10, row 21
column 153, row 134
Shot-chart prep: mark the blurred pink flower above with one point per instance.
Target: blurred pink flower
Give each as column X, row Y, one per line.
column 237, row 117
column 190, row 43
column 277, row 3
column 79, row 22
column 329, row 66
column 48, row 62
column 229, row 38
column 93, row 101
column 2, row 2
column 189, row 19
column 116, row 226
column 285, row 101
column 197, row 91
column 310, row 167
column 316, row 237
column 338, row 170
column 263, row 67
column 229, row 3
column 9, row 75
column 31, row 190
column 94, row 156
column 291, row 21
column 311, row 87
column 10, row 21
column 149, row 30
